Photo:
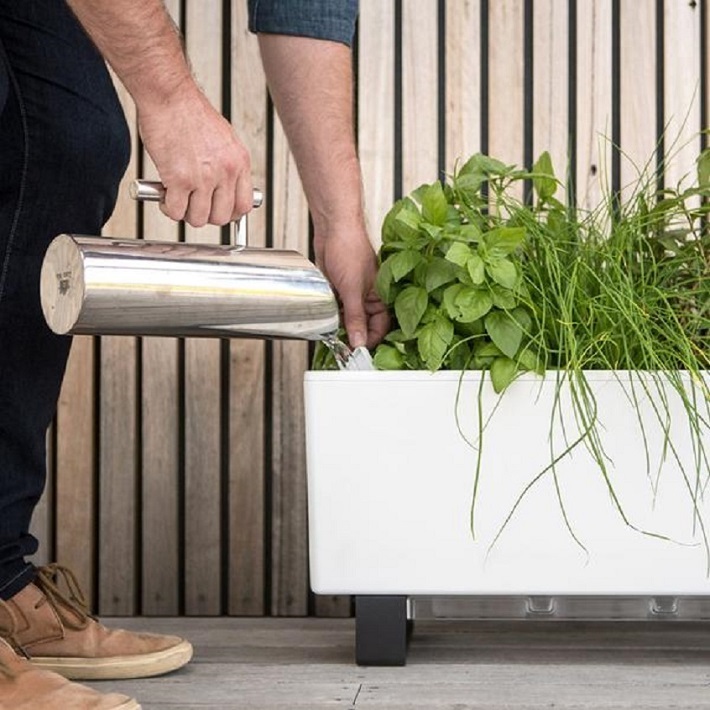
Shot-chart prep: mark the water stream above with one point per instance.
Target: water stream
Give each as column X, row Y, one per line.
column 347, row 359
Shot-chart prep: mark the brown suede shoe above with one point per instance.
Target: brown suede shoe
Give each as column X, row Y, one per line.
column 55, row 631
column 24, row 687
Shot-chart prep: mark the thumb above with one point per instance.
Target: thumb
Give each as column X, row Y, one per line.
column 355, row 322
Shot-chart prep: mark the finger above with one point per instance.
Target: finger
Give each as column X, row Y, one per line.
column 175, row 202
column 199, row 207
column 222, row 205
column 378, row 327
column 355, row 322
column 378, row 319
column 244, row 196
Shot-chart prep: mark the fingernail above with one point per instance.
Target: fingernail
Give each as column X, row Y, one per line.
column 358, row 340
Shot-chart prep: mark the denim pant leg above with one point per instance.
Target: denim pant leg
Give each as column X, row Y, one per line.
column 321, row 19
column 64, row 146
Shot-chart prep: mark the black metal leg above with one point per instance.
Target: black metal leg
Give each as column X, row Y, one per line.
column 381, row 630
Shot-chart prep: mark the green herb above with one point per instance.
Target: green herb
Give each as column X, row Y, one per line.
column 548, row 285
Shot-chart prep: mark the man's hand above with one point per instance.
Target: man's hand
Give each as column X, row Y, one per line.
column 348, row 260
column 205, row 168
column 203, row 165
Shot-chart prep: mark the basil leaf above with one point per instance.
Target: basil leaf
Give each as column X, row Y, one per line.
column 503, row 371
column 396, row 336
column 505, row 239
column 528, row 360
column 409, row 307
column 439, row 272
column 403, row 262
column 388, row 358
column 476, row 269
column 458, row 254
column 543, row 177
column 433, row 341
column 471, row 233
column 487, row 350
column 384, row 281
column 502, row 297
column 434, row 205
column 450, row 295
column 503, row 271
column 504, row 332
column 472, row 304
column 459, row 354
column 522, row 318
column 480, row 163
column 406, row 225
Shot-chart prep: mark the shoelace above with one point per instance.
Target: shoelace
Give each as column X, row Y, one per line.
column 74, row 601
column 72, row 609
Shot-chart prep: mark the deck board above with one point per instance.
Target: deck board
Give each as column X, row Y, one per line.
column 273, row 664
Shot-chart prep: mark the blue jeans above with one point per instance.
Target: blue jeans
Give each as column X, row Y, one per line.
column 64, row 146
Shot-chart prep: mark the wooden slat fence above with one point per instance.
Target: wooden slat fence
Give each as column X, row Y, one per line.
column 177, row 468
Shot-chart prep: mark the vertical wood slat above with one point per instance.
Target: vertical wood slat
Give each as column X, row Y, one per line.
column 289, row 555
column 550, row 84
column 376, row 109
column 681, row 91
column 203, row 382
column 506, row 81
column 75, row 466
column 594, row 99
column 160, row 439
column 638, row 93
column 419, row 93
column 462, row 81
column 247, row 365
column 118, row 454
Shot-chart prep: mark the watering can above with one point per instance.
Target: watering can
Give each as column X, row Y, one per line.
column 103, row 286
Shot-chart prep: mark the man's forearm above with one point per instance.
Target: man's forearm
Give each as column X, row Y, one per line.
column 140, row 42
column 311, row 84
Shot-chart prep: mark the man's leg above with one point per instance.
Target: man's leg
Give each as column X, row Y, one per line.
column 63, row 149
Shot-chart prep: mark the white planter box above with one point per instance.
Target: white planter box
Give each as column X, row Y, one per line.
column 390, row 482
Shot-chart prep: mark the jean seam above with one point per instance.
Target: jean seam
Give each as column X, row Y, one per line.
column 16, row 577
column 23, row 176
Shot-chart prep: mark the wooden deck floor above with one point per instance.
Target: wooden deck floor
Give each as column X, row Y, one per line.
column 270, row 664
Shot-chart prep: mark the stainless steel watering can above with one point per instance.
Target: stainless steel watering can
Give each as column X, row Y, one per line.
column 104, row 286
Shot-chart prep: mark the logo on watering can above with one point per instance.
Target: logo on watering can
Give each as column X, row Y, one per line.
column 64, row 282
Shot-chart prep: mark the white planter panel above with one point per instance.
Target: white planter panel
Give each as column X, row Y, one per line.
column 390, row 483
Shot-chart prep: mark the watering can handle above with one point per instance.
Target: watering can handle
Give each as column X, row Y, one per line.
column 154, row 191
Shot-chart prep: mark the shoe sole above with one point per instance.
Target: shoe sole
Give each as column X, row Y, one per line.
column 118, row 667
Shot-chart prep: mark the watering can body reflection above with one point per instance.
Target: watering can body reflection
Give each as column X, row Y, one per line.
column 103, row 286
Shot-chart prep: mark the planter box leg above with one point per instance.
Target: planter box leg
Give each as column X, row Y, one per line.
column 381, row 630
